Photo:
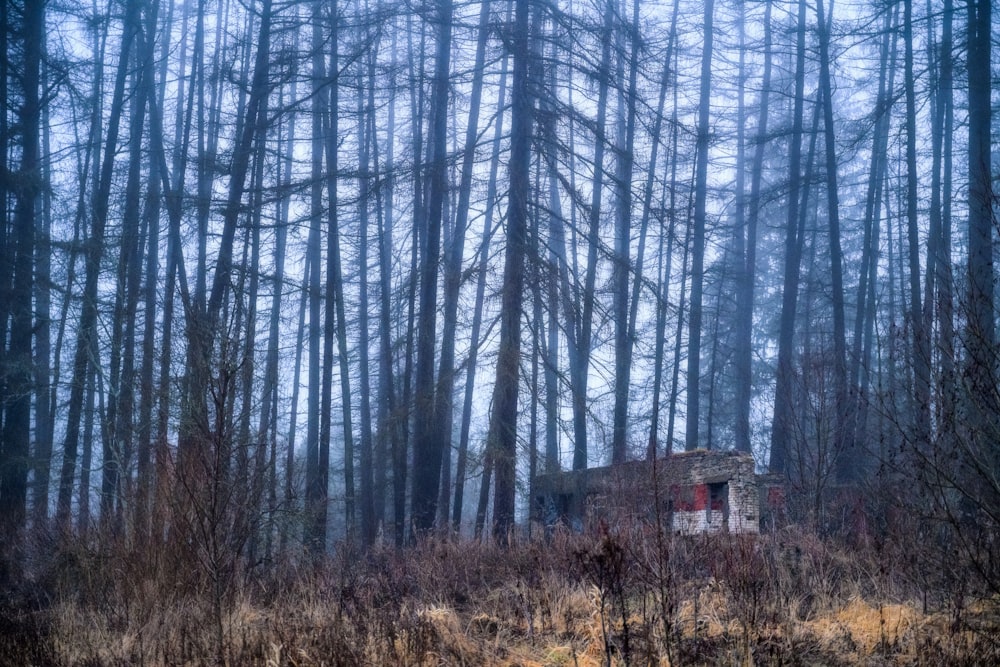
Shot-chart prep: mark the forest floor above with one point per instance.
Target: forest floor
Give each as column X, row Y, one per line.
column 631, row 597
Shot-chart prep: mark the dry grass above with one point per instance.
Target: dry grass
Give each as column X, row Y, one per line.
column 577, row 600
column 869, row 627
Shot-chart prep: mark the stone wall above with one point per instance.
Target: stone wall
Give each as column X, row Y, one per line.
column 693, row 492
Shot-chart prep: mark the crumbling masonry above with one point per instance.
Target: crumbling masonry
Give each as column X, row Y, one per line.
column 692, row 492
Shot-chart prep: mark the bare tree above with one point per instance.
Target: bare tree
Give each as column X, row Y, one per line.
column 502, row 437
column 698, row 223
column 18, row 375
column 85, row 356
column 782, row 425
column 427, row 450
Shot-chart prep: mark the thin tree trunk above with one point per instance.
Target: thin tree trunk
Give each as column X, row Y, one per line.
column 335, row 298
column 945, row 282
column 692, row 439
column 625, row 303
column 316, row 473
column 798, row 458
column 846, row 458
column 176, row 274
column 88, row 169
column 745, row 301
column 400, row 456
column 557, row 278
column 647, row 206
column 6, row 260
column 194, row 444
column 366, row 139
column 783, row 420
column 117, row 448
column 386, row 395
column 445, row 393
column 45, row 384
column 920, row 351
column 580, row 358
column 150, row 292
column 14, row 461
column 477, row 322
column 89, row 416
column 86, row 345
column 980, row 334
column 293, row 417
column 682, row 309
column 664, row 278
column 427, row 450
column 663, row 269
column 251, row 451
column 267, row 428
column 502, row 437
column 388, row 438
column 864, row 324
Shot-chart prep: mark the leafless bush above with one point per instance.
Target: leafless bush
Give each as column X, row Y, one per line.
column 628, row 594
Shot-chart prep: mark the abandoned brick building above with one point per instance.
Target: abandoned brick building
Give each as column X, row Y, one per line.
column 691, row 492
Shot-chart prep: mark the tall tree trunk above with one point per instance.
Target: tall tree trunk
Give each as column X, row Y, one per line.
column 558, row 275
column 945, row 282
column 427, row 452
column 647, row 207
column 176, row 274
column 581, row 342
column 14, row 462
column 980, row 334
column 783, row 420
column 937, row 264
column 691, row 439
column 401, row 468
column 920, row 352
column 88, row 171
column 745, row 301
column 147, row 389
column 799, row 457
column 251, row 452
column 389, row 442
column 117, row 448
column 293, row 416
column 316, row 474
column 366, row 139
column 86, row 345
column 6, row 258
column 669, row 205
column 267, row 430
column 502, row 437
column 44, row 379
column 864, row 322
column 682, row 308
column 195, row 447
column 477, row 323
column 444, row 395
column 335, row 297
column 331, row 130
column 846, row 458
column 624, row 302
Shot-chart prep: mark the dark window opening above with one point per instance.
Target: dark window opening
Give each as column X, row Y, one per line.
column 718, row 501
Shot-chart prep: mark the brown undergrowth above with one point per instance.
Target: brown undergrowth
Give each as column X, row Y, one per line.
column 622, row 596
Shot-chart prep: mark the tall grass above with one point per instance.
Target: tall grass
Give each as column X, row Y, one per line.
column 623, row 595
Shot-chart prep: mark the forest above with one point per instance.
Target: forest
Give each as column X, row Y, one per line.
column 299, row 297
